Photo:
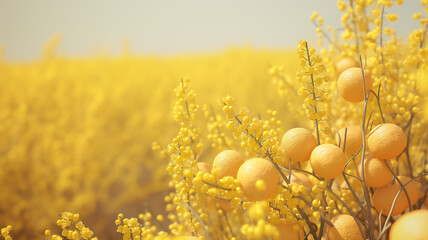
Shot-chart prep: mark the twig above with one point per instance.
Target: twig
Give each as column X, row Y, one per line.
column 368, row 120
column 321, row 214
column 401, row 185
column 217, row 186
column 207, row 235
column 344, row 139
column 340, row 138
column 366, row 192
column 385, row 226
column 381, row 34
column 267, row 153
column 349, row 210
column 378, row 102
column 355, row 26
column 311, row 225
column 326, row 35
column 354, row 156
column 301, row 170
column 228, row 224
column 355, row 195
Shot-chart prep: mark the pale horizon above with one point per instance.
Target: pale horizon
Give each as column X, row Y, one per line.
column 166, row 27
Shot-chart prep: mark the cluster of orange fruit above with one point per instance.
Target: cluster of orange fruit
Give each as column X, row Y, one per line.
column 392, row 194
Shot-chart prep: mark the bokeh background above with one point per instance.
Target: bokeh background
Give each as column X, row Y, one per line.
column 86, row 87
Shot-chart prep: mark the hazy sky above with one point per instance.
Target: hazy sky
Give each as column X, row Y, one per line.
column 165, row 27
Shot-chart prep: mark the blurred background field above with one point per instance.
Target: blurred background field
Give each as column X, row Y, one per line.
column 76, row 133
column 76, row 129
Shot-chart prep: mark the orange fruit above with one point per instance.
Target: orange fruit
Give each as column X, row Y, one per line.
column 410, row 226
column 344, row 228
column 354, row 139
column 350, row 84
column 386, row 141
column 204, row 167
column 298, row 144
column 328, row 161
column 376, row 173
column 384, row 196
column 345, row 63
column 258, row 169
column 286, row 231
column 299, row 178
column 227, row 163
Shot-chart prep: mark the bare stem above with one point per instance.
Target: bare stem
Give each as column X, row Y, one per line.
column 207, row 235
column 365, row 189
column 378, row 102
column 386, row 226
column 349, row 210
column 401, row 185
column 217, row 186
column 311, row 225
column 228, row 223
column 321, row 214
column 381, row 33
column 344, row 139
column 354, row 22
column 355, row 196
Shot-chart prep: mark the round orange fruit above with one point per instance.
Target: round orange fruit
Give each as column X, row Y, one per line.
column 410, row 226
column 345, row 63
column 328, row 161
column 354, row 139
column 344, row 228
column 351, row 84
column 227, row 163
column 376, row 173
column 383, row 197
column 256, row 169
column 298, row 144
column 386, row 141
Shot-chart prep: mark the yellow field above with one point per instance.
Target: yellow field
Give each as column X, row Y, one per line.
column 76, row 134
column 96, row 136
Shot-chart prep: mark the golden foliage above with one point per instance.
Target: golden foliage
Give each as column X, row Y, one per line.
column 76, row 133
